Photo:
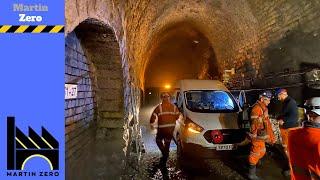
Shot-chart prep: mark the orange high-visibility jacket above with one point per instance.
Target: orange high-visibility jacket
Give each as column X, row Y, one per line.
column 304, row 153
column 166, row 114
column 260, row 122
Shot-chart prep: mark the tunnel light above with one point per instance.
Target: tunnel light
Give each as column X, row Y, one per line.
column 196, row 42
column 167, row 86
column 149, row 93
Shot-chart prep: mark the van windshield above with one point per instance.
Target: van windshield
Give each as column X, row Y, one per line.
column 209, row 101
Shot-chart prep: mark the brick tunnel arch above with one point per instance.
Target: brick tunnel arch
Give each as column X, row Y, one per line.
column 102, row 51
column 180, row 51
column 94, row 120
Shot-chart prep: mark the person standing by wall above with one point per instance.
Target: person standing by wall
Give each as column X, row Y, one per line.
column 304, row 145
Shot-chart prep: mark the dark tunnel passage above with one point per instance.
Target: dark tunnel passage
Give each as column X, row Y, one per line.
column 181, row 52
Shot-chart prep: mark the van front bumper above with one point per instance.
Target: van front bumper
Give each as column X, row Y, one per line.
column 198, row 151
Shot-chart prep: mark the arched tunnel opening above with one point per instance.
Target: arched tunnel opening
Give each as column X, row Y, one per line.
column 179, row 52
column 94, row 119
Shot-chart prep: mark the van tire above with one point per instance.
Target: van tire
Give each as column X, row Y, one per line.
column 180, row 155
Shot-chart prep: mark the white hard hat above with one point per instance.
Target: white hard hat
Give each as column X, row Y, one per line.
column 313, row 104
column 267, row 94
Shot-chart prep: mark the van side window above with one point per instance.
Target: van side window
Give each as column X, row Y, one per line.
column 180, row 102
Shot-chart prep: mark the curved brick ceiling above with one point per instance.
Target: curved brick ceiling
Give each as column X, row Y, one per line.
column 138, row 25
column 238, row 31
column 226, row 25
column 182, row 52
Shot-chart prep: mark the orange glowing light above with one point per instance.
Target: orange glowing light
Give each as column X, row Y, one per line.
column 167, row 86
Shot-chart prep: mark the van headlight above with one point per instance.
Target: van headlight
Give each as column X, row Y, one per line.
column 193, row 127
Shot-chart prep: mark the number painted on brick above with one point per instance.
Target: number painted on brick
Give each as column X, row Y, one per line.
column 71, row 91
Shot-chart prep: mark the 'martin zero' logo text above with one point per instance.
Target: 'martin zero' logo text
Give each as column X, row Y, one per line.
column 21, row 148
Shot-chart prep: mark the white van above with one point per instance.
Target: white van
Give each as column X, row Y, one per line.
column 209, row 127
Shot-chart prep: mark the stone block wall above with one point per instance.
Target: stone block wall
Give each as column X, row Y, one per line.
column 102, row 50
column 288, row 45
column 79, row 112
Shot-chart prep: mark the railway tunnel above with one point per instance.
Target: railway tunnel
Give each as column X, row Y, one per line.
column 181, row 52
column 119, row 51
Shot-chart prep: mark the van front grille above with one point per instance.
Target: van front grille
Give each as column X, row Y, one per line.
column 230, row 136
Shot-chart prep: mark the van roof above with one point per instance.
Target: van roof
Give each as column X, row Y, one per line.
column 196, row 84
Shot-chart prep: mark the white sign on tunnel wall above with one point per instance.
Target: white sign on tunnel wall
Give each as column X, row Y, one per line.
column 70, row 91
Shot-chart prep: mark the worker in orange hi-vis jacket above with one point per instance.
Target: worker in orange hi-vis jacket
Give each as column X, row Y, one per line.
column 166, row 114
column 304, row 145
column 260, row 132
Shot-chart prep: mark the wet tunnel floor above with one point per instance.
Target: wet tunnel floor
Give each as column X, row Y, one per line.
column 229, row 168
column 201, row 170
column 103, row 160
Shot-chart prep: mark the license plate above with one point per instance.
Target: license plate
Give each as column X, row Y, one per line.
column 225, row 147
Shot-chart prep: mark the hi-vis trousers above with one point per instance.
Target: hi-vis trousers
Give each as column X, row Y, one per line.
column 258, row 149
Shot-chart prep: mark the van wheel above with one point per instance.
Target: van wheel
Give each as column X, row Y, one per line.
column 180, row 155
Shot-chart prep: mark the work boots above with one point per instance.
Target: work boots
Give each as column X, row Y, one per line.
column 286, row 173
column 164, row 159
column 252, row 173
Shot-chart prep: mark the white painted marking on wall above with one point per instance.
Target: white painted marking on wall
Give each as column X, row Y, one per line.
column 71, row 91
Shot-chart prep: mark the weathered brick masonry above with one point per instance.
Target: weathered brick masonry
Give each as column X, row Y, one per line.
column 286, row 45
column 80, row 112
column 102, row 50
column 93, row 62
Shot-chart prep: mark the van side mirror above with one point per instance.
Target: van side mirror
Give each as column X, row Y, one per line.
column 242, row 99
column 244, row 117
